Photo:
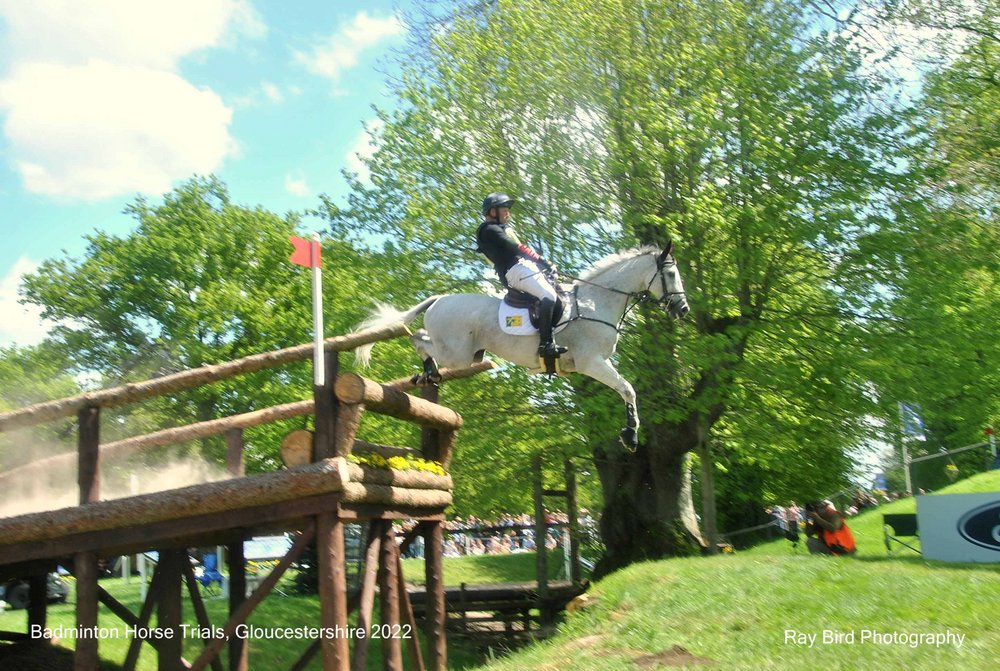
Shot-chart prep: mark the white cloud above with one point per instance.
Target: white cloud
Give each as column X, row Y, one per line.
column 364, row 147
column 94, row 105
column 341, row 50
column 272, row 92
column 137, row 32
column 100, row 129
column 21, row 324
column 297, row 186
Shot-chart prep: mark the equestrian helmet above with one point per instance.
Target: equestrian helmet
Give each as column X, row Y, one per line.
column 496, row 200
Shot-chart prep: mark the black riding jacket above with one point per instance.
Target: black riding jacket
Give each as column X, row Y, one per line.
column 501, row 245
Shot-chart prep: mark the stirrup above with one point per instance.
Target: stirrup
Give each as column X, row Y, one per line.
column 550, row 349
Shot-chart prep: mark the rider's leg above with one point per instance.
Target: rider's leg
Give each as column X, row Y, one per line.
column 546, row 346
column 526, row 276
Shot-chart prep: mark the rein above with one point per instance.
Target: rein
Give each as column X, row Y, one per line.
column 634, row 298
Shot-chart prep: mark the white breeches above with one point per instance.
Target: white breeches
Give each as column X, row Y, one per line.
column 526, row 276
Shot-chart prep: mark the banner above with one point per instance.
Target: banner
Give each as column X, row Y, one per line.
column 909, row 417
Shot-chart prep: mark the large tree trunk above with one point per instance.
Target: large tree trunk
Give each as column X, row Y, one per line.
column 648, row 507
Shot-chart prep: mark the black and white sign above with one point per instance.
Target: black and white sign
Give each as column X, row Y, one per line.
column 960, row 527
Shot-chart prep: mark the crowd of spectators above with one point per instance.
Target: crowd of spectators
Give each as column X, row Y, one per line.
column 507, row 534
column 786, row 516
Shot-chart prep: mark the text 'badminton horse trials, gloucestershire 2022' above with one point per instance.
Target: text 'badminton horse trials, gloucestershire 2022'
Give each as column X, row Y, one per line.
column 459, row 328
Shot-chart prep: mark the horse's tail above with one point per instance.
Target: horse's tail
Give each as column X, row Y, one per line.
column 385, row 315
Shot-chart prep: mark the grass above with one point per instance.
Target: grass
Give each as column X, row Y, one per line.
column 275, row 611
column 740, row 611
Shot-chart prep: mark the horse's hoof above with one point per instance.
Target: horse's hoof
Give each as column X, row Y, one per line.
column 630, row 441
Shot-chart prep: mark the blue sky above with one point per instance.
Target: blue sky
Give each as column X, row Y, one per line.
column 134, row 97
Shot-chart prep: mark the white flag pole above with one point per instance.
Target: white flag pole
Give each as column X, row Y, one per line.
column 319, row 363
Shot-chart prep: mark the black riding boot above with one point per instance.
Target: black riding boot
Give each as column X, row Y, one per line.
column 546, row 347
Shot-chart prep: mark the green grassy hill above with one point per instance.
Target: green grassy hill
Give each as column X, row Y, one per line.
column 758, row 609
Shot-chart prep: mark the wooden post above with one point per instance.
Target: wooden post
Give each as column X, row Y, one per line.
column 88, row 454
column 168, row 611
column 446, row 446
column 541, row 554
column 574, row 527
column 330, row 530
column 437, row 645
column 348, row 420
column 413, row 641
column 38, row 604
column 429, row 446
column 366, row 598
column 326, row 408
column 392, row 650
column 239, row 659
column 85, row 563
column 85, row 571
column 234, row 453
column 333, row 591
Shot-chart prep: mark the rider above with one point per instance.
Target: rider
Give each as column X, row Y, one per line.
column 518, row 265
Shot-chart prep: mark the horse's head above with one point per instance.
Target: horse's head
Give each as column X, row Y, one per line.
column 667, row 286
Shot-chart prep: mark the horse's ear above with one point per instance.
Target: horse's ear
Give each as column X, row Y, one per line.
column 667, row 251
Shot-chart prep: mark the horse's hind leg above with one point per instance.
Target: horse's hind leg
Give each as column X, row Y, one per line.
column 425, row 347
column 602, row 371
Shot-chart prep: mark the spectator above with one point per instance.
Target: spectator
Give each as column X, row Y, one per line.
column 827, row 531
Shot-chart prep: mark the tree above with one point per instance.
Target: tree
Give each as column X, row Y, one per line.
column 200, row 280
column 935, row 260
column 740, row 131
column 29, row 375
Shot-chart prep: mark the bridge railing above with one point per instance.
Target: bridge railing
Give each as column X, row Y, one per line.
column 87, row 406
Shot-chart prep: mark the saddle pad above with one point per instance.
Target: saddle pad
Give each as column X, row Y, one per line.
column 517, row 321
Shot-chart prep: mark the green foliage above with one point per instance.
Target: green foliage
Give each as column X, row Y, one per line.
column 932, row 265
column 29, row 375
column 742, row 132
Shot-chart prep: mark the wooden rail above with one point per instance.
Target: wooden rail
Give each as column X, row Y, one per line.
column 168, row 384
column 120, row 449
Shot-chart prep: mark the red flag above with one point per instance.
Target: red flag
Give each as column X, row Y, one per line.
column 306, row 252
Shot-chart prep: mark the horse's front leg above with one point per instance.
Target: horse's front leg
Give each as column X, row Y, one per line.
column 602, row 371
column 629, row 435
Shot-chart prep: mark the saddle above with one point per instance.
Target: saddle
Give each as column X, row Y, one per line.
column 525, row 301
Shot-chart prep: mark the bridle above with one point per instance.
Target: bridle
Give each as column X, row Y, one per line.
column 634, row 298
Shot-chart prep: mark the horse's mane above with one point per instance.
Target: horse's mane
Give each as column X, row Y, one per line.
column 615, row 259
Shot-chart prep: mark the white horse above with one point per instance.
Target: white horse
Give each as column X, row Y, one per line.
column 459, row 328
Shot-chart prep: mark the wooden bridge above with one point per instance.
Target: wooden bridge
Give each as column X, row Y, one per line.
column 314, row 500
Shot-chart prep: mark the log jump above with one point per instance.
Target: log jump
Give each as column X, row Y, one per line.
column 313, row 500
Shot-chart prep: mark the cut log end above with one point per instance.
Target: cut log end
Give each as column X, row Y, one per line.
column 297, row 448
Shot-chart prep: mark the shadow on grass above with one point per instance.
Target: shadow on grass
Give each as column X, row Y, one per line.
column 42, row 656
